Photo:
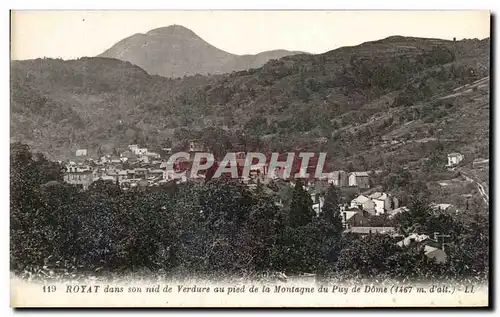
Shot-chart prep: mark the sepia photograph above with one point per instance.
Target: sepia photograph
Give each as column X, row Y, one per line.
column 250, row 158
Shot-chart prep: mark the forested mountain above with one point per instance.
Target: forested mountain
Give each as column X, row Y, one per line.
column 351, row 102
column 176, row 51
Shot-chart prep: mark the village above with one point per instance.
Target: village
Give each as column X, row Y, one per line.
column 369, row 212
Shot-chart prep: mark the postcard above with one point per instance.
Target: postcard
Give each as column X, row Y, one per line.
column 250, row 159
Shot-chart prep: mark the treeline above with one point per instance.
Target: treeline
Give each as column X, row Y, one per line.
column 217, row 227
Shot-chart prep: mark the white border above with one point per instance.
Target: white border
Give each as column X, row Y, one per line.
column 189, row 5
column 256, row 4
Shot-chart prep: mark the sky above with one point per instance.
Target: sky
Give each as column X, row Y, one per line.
column 73, row 34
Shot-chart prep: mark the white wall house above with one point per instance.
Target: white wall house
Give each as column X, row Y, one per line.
column 133, row 147
column 141, row 151
column 382, row 202
column 454, row 159
column 334, row 178
column 81, row 152
column 364, row 203
column 360, row 179
column 338, row 178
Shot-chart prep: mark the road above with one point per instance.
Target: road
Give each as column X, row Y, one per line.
column 480, row 187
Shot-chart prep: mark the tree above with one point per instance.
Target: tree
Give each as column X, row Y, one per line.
column 299, row 249
column 399, row 179
column 438, row 55
column 415, row 219
column 99, row 152
column 300, row 89
column 330, row 212
column 30, row 178
column 367, row 256
column 301, row 212
column 350, row 167
column 259, row 190
column 102, row 188
column 262, row 228
column 209, row 224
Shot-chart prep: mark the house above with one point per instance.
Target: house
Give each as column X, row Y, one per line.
column 392, row 213
column 81, row 152
column 155, row 164
column 98, row 172
column 118, row 175
column 179, row 166
column 82, row 177
column 354, row 218
column 432, row 249
column 106, row 178
column 359, row 179
column 379, row 199
column 435, row 253
column 127, row 154
column 111, row 169
column 454, row 159
column 364, row 203
column 412, row 239
column 122, row 175
column 338, row 178
column 152, row 155
column 371, row 230
column 141, row 173
column 169, row 174
column 133, row 147
column 144, row 159
column 130, row 174
column 195, row 146
column 383, row 202
column 155, row 173
column 104, row 159
column 115, row 160
column 141, row 151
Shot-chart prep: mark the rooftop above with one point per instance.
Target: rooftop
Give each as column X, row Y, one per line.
column 361, row 174
column 368, row 230
column 361, row 199
column 351, row 213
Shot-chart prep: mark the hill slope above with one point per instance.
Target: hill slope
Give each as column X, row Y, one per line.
column 175, row 51
column 393, row 101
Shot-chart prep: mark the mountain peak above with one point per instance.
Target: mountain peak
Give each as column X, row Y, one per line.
column 177, row 30
column 175, row 51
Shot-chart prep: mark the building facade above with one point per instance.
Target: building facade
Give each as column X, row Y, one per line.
column 359, row 179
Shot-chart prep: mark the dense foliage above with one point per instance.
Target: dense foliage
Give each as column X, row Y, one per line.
column 217, row 227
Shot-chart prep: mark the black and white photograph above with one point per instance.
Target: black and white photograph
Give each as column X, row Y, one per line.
column 250, row 158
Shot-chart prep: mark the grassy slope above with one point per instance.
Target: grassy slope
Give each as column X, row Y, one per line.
column 356, row 97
